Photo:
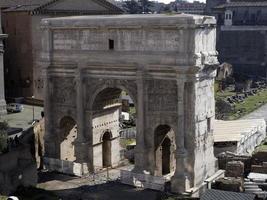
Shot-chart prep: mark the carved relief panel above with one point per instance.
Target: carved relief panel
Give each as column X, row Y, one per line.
column 162, row 95
column 64, row 91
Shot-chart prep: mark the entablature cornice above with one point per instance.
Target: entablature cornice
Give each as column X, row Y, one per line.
column 47, row 25
column 129, row 71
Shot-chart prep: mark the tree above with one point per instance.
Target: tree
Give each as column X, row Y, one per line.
column 132, row 7
column 3, row 136
column 146, row 6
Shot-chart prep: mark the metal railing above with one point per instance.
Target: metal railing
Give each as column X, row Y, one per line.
column 128, row 133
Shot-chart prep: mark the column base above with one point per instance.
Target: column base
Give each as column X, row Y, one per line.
column 81, row 151
column 140, row 162
column 66, row 167
column 144, row 180
column 179, row 183
column 3, row 107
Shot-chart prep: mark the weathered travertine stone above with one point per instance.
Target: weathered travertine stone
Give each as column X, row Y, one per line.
column 166, row 63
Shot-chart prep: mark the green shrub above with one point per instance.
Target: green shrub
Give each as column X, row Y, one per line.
column 3, row 126
column 3, row 136
column 3, row 140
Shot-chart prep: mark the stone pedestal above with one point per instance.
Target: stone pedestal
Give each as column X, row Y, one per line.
column 65, row 166
column 144, row 180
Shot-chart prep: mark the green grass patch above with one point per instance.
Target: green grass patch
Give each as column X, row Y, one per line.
column 250, row 104
column 132, row 110
column 3, row 198
column 224, row 94
column 262, row 147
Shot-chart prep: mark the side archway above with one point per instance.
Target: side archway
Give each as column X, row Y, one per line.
column 67, row 135
column 164, row 150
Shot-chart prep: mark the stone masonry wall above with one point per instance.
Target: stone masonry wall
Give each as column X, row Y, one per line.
column 245, row 50
column 204, row 155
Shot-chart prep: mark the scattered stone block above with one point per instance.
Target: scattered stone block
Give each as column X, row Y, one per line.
column 234, row 169
column 228, row 184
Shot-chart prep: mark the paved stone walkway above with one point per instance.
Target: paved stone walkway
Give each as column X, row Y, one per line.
column 261, row 112
column 23, row 119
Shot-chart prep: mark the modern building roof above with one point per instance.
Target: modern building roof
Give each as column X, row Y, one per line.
column 243, row 3
column 225, row 195
column 46, row 6
column 236, row 130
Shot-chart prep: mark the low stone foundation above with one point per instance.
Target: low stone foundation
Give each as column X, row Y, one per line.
column 65, row 166
column 143, row 180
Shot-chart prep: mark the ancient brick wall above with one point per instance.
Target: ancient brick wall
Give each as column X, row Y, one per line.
column 18, row 53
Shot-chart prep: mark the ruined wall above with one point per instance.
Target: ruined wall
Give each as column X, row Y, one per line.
column 17, row 168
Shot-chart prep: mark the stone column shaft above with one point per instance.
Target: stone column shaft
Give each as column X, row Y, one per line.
column 47, row 46
column 179, row 178
column 81, row 145
column 140, row 162
column 80, row 106
column 180, row 135
column 89, row 118
column 50, row 145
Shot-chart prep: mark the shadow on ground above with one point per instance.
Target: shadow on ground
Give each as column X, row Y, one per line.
column 108, row 191
column 44, row 177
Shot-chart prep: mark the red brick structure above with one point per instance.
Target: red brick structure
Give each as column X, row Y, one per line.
column 20, row 20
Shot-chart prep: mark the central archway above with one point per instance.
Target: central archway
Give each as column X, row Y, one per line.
column 109, row 111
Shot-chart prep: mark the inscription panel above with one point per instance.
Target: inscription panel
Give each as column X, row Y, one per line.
column 124, row 40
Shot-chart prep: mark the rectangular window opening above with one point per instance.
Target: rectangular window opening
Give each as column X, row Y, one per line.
column 208, row 124
column 111, row 44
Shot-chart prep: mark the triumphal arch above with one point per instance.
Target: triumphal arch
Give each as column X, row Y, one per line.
column 166, row 63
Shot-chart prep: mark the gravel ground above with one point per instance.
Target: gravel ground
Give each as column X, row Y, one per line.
column 95, row 187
